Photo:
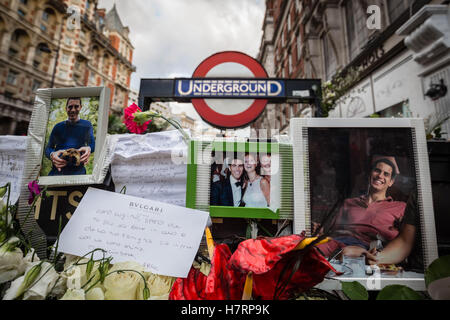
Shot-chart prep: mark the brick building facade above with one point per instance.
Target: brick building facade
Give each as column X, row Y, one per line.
column 43, row 44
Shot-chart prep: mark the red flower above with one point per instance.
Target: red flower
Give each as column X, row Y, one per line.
column 272, row 261
column 130, row 122
column 222, row 283
column 34, row 189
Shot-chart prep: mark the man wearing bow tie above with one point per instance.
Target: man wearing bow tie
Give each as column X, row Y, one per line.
column 229, row 192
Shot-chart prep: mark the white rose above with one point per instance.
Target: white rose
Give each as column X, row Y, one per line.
column 12, row 262
column 123, row 285
column 76, row 274
column 159, row 286
column 95, row 294
column 39, row 288
column 74, row 294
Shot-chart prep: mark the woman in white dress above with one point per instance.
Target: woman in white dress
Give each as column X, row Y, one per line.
column 257, row 190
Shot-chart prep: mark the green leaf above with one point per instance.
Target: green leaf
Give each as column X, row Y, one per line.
column 355, row 290
column 398, row 292
column 438, row 269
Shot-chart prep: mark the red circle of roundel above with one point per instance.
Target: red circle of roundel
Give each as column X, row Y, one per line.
column 235, row 120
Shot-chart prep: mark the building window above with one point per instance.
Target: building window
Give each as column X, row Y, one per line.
column 43, row 28
column 9, row 95
column 36, row 64
column 21, row 13
column 68, row 41
column 12, row 52
column 357, row 31
column 329, row 56
column 63, row 74
column 25, row 2
column 397, row 7
column 36, row 85
column 12, row 77
column 65, row 58
column 45, row 16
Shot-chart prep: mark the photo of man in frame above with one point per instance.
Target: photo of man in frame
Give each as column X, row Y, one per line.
column 370, row 213
column 71, row 142
column 229, row 191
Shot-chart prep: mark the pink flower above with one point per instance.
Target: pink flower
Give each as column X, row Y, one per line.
column 34, row 189
column 129, row 120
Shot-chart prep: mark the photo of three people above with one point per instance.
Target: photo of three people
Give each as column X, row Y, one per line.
column 242, row 180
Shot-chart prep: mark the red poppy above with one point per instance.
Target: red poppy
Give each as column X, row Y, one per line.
column 130, row 121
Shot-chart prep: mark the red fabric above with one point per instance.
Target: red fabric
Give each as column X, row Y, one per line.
column 267, row 257
column 260, row 255
column 312, row 271
column 222, row 283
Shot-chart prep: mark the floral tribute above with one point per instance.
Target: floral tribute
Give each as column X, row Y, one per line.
column 23, row 275
column 262, row 269
column 137, row 120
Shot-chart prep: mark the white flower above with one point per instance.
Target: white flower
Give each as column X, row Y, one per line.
column 123, row 285
column 74, row 294
column 12, row 263
column 40, row 287
column 95, row 294
column 159, row 286
column 76, row 274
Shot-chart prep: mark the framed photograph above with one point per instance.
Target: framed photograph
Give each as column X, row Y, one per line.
column 71, row 128
column 66, row 147
column 366, row 184
column 239, row 179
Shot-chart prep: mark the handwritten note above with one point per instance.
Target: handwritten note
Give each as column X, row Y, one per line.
column 12, row 160
column 151, row 166
column 164, row 238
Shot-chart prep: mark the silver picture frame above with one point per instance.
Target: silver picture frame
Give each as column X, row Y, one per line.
column 35, row 152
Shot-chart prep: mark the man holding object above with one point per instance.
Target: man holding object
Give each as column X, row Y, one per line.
column 71, row 142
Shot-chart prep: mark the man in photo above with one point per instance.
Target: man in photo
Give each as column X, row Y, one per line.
column 229, row 191
column 374, row 224
column 71, row 142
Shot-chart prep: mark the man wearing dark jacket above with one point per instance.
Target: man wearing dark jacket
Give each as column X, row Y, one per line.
column 229, row 192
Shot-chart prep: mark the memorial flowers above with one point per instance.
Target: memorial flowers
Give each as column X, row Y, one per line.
column 133, row 121
column 137, row 120
column 263, row 268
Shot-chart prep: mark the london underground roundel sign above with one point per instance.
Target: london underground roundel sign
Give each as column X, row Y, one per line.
column 233, row 112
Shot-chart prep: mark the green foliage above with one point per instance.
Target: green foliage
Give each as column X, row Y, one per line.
column 115, row 125
column 58, row 113
column 337, row 89
column 398, row 292
column 355, row 290
column 438, row 269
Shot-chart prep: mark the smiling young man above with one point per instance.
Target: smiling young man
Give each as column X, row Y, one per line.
column 73, row 133
column 229, row 192
column 372, row 217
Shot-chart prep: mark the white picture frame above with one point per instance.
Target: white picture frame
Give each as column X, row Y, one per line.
column 302, row 132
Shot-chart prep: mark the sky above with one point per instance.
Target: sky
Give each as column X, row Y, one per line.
column 172, row 37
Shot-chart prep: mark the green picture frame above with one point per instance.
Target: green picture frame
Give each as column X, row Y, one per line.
column 198, row 178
